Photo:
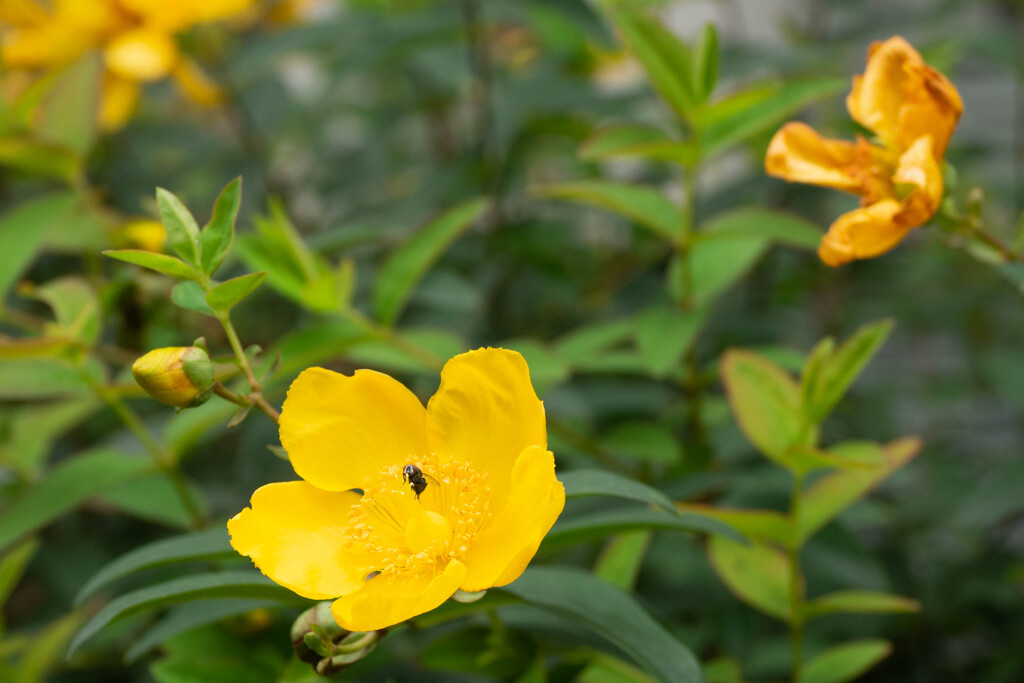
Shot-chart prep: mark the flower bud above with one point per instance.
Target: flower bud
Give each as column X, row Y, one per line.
column 179, row 376
column 328, row 648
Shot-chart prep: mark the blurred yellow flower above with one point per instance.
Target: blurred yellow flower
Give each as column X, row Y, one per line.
column 179, row 376
column 401, row 506
column 137, row 38
column 912, row 109
column 145, row 234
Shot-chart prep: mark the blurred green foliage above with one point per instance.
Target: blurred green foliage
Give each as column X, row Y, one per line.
column 422, row 178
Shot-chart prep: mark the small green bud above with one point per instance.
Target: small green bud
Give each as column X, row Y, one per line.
column 319, row 641
column 179, row 376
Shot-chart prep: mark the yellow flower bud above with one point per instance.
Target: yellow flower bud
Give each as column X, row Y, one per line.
column 179, row 376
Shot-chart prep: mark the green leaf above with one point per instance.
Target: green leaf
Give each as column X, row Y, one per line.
column 67, row 114
column 859, row 602
column 765, row 401
column 35, row 378
column 161, row 263
column 665, row 58
column 189, row 616
column 604, row 668
column 643, row 205
column 740, row 117
column 219, row 233
column 612, row 614
column 44, row 651
column 761, row 525
column 716, row 264
column 411, row 261
column 590, row 342
column 13, row 565
column 664, row 334
column 22, row 230
column 776, row 226
column 620, row 560
column 584, row 483
column 155, row 498
column 836, row 491
column 845, row 662
column 599, row 525
column 70, row 484
column 756, row 573
column 227, row 294
column 228, row 584
column 623, row 140
column 643, row 440
column 75, row 306
column 182, row 230
column 39, row 158
column 831, row 375
column 191, row 296
column 211, row 544
column 705, row 63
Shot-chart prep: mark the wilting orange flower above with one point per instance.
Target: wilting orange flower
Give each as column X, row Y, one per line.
column 401, row 506
column 137, row 39
column 912, row 109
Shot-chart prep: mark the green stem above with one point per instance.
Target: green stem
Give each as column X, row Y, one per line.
column 162, row 457
column 796, row 583
column 255, row 396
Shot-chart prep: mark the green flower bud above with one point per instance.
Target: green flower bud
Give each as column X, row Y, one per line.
column 320, row 642
column 179, row 376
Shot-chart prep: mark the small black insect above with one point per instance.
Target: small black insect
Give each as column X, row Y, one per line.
column 415, row 477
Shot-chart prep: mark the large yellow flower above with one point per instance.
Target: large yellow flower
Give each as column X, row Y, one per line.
column 912, row 109
column 356, row 528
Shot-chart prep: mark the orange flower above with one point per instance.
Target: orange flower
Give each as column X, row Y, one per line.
column 912, row 109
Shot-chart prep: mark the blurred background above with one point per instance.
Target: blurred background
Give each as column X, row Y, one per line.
column 355, row 122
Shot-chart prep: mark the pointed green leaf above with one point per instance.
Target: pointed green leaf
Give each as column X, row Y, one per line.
column 777, row 226
column 39, row 158
column 765, row 401
column 664, row 334
column 219, row 233
column 161, row 263
column 643, row 205
column 763, row 525
column 836, row 491
column 182, row 230
column 757, row 574
column 665, row 58
column 411, row 261
column 68, row 112
column 738, row 118
column 612, row 614
column 621, row 558
column 716, row 264
column 623, row 140
column 22, row 230
column 191, row 296
column 834, row 374
column 583, row 483
column 859, row 602
column 227, row 294
column 845, row 662
column 595, row 526
column 70, row 484
column 13, row 565
column 75, row 306
column 590, row 342
column 229, row 584
column 211, row 544
column 705, row 63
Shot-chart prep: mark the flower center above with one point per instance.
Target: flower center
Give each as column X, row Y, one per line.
column 402, row 532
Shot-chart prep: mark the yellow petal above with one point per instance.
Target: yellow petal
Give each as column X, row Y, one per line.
column 390, row 599
column 877, row 96
column 341, row 431
column 22, row 12
column 142, row 54
column 194, row 82
column 503, row 547
column 919, row 169
column 295, row 534
column 119, row 99
column 798, row 154
column 932, row 106
column 485, row 413
column 863, row 233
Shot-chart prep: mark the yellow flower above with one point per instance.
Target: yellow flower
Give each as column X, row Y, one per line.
column 145, row 234
column 179, row 376
column 356, row 528
column 912, row 109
